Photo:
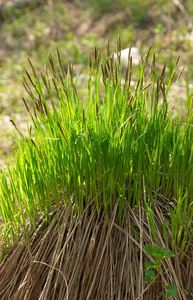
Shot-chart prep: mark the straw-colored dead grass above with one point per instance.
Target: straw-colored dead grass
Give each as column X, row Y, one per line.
column 86, row 259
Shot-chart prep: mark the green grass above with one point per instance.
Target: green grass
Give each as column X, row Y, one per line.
column 120, row 142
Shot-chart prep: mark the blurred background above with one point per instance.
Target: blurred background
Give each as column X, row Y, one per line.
column 36, row 28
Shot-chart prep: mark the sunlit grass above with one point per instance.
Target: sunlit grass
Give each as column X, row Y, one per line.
column 120, row 143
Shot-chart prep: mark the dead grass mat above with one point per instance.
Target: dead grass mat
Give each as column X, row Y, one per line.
column 86, row 259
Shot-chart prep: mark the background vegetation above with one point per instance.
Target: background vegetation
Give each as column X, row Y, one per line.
column 75, row 27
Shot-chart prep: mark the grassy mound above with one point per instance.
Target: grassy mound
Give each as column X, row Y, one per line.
column 97, row 177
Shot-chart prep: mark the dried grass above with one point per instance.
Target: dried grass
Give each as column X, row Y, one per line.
column 88, row 259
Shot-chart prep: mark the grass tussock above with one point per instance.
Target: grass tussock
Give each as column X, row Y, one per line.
column 115, row 170
column 86, row 259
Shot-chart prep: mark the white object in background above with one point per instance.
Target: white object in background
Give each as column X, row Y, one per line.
column 136, row 58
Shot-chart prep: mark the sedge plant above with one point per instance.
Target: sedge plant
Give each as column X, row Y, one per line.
column 98, row 149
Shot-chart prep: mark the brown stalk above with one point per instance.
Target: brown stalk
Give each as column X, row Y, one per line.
column 97, row 261
column 35, row 146
column 97, row 112
column 62, row 133
column 62, row 81
column 18, row 130
column 60, row 63
column 26, row 105
column 129, row 77
column 56, row 88
column 32, row 67
column 52, row 64
column 27, row 88
column 107, row 49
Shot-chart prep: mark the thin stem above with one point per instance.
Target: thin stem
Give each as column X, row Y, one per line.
column 158, row 284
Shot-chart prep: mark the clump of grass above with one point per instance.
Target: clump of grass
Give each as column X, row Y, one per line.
column 120, row 143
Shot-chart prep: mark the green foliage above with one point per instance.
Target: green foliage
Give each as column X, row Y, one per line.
column 159, row 253
column 171, row 291
column 149, row 276
column 152, row 265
